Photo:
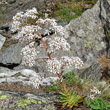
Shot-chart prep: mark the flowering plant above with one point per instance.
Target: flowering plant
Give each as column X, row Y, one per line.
column 95, row 101
column 30, row 32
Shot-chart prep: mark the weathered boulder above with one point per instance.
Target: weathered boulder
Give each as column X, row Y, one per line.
column 2, row 40
column 23, row 76
column 11, row 55
column 86, row 34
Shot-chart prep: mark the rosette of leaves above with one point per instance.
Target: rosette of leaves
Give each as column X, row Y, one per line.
column 69, row 100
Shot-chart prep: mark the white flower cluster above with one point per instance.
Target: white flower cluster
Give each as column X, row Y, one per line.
column 51, row 23
column 57, row 44
column 32, row 13
column 36, row 81
column 17, row 21
column 94, row 92
column 28, row 33
column 54, row 66
column 66, row 61
column 47, row 22
column 59, row 30
column 77, row 62
column 29, row 53
column 21, row 18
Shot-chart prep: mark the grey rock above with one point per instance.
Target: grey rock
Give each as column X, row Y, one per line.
column 105, row 19
column 49, row 80
column 23, row 76
column 2, row 40
column 11, row 55
column 86, row 33
column 2, row 31
column 87, row 6
column 81, row 33
column 43, row 101
column 93, row 72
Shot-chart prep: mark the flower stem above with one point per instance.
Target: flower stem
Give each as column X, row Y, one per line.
column 49, row 55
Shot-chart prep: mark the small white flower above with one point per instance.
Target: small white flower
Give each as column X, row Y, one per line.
column 29, row 55
column 78, row 63
column 32, row 13
column 54, row 65
column 57, row 44
column 27, row 33
column 92, row 96
column 36, row 81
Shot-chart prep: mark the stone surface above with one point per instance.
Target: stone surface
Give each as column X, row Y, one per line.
column 105, row 19
column 43, row 101
column 93, row 72
column 85, row 34
column 9, row 8
column 11, row 55
column 2, row 40
column 23, row 76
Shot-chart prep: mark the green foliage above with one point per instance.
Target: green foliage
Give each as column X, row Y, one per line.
column 24, row 102
column 69, row 100
column 67, row 12
column 56, row 86
column 71, row 79
column 97, row 104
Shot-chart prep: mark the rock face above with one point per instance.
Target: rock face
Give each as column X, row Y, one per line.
column 41, row 101
column 86, row 35
column 93, row 72
column 23, row 76
column 2, row 40
column 105, row 19
column 11, row 7
column 11, row 55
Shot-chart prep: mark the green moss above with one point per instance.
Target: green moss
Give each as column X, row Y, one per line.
column 23, row 103
column 3, row 97
column 89, row 44
column 49, row 107
column 39, row 102
column 43, row 101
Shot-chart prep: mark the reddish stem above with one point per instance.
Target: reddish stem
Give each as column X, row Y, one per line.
column 49, row 55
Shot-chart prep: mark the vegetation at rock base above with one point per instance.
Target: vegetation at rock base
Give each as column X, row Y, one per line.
column 68, row 10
